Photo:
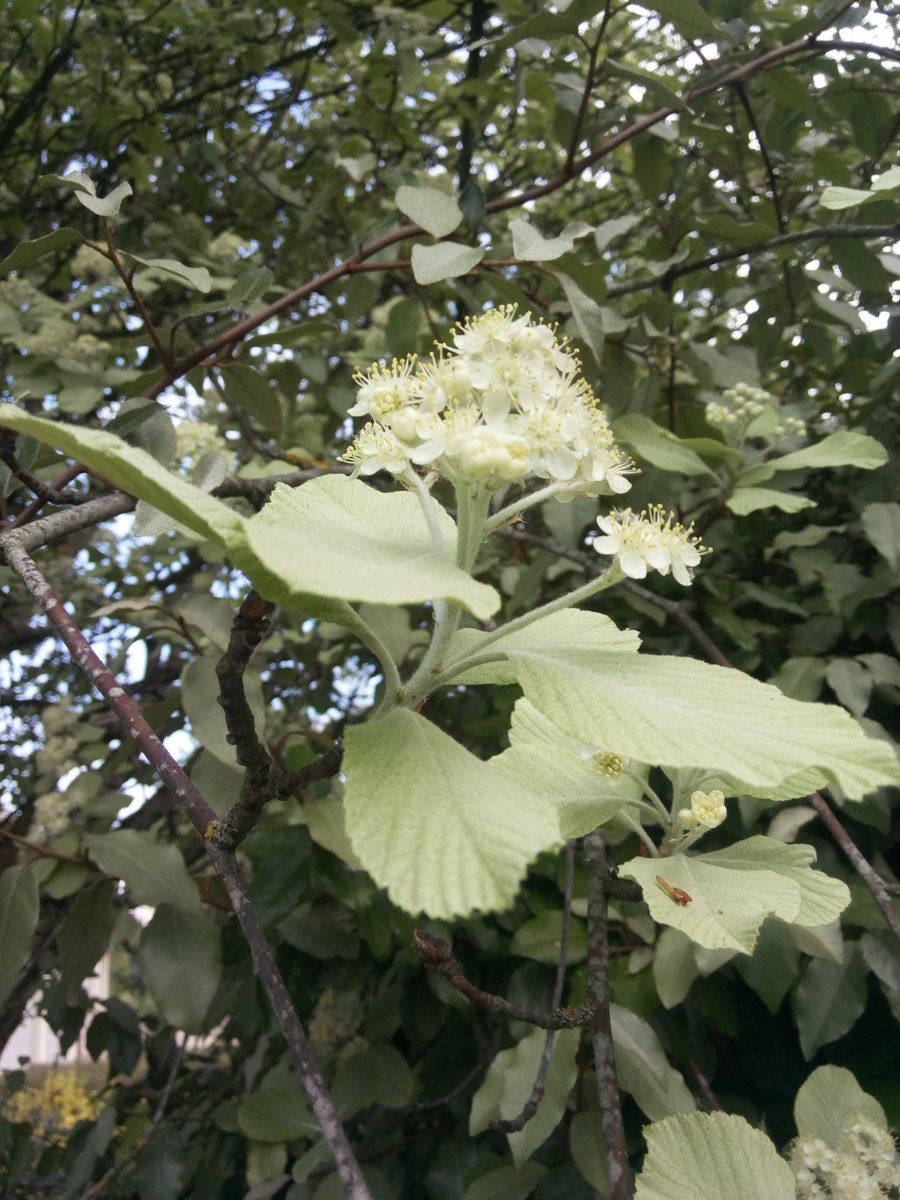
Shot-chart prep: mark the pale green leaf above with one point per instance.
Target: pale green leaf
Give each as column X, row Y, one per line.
column 607, row 231
column 587, row 314
column 674, row 966
column 199, row 695
column 882, row 525
column 508, row 1085
column 563, row 632
column 443, row 831
column 745, row 500
column 431, row 264
column 28, row 252
column 532, row 246
column 154, row 873
column 643, row 1069
column 588, row 1151
column 106, row 206
column 712, row 1156
column 134, row 471
column 732, row 891
column 887, row 180
column 844, row 197
column 656, row 445
column 819, row 941
column 338, row 537
column 198, row 278
column 19, row 908
column 677, row 712
column 845, row 448
column 181, row 963
column 543, row 759
column 851, row 683
column 431, row 209
column 829, row 999
column 828, row 1101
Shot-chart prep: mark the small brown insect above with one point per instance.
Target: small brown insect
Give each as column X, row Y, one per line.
column 676, row 894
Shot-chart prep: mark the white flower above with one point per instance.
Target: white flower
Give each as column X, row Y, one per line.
column 383, row 390
column 649, row 540
column 377, row 449
column 708, row 808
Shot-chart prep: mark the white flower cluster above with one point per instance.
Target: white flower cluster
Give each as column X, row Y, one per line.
column 707, row 809
column 864, row 1167
column 744, row 403
column 505, row 401
column 196, row 438
column 51, row 813
column 651, row 539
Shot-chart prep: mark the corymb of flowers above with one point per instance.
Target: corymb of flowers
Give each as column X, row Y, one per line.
column 505, row 403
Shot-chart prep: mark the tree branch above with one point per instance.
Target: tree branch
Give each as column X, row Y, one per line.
column 621, row 1179
column 437, row 956
column 203, row 818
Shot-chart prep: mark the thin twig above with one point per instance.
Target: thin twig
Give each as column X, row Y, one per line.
column 514, row 1124
column 437, row 956
column 621, row 1179
column 47, row 851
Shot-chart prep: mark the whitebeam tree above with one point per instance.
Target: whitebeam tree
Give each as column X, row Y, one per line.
column 449, row 537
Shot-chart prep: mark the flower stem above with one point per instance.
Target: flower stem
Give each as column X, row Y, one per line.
column 506, row 514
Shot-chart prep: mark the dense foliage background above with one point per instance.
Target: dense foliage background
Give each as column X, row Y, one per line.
column 694, row 141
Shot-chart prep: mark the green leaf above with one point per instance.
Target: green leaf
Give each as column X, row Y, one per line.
column 444, row 832
column 276, row 1115
column 249, row 391
column 649, row 441
column 587, row 314
column 197, row 278
column 27, row 253
column 181, row 962
column 431, row 264
column 711, row 1156
column 508, row 1085
column 851, row 683
column 160, row 1166
column 541, row 938
column 643, row 1069
column 593, row 633
column 507, row 1183
column 745, row 500
column 733, row 890
column 154, row 873
column 532, row 246
column 828, row 1101
column 248, row 286
column 689, row 19
column 844, row 197
column 19, row 908
column 674, row 966
column 676, row 712
column 829, row 999
column 882, row 525
column 842, row 449
column 543, row 759
column 85, row 933
column 134, row 471
column 431, row 209
column 199, row 695
column 105, row 206
column 338, row 537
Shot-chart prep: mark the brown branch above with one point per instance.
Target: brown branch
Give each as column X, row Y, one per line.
column 621, row 1179
column 437, row 956
column 248, row 629
column 47, row 851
